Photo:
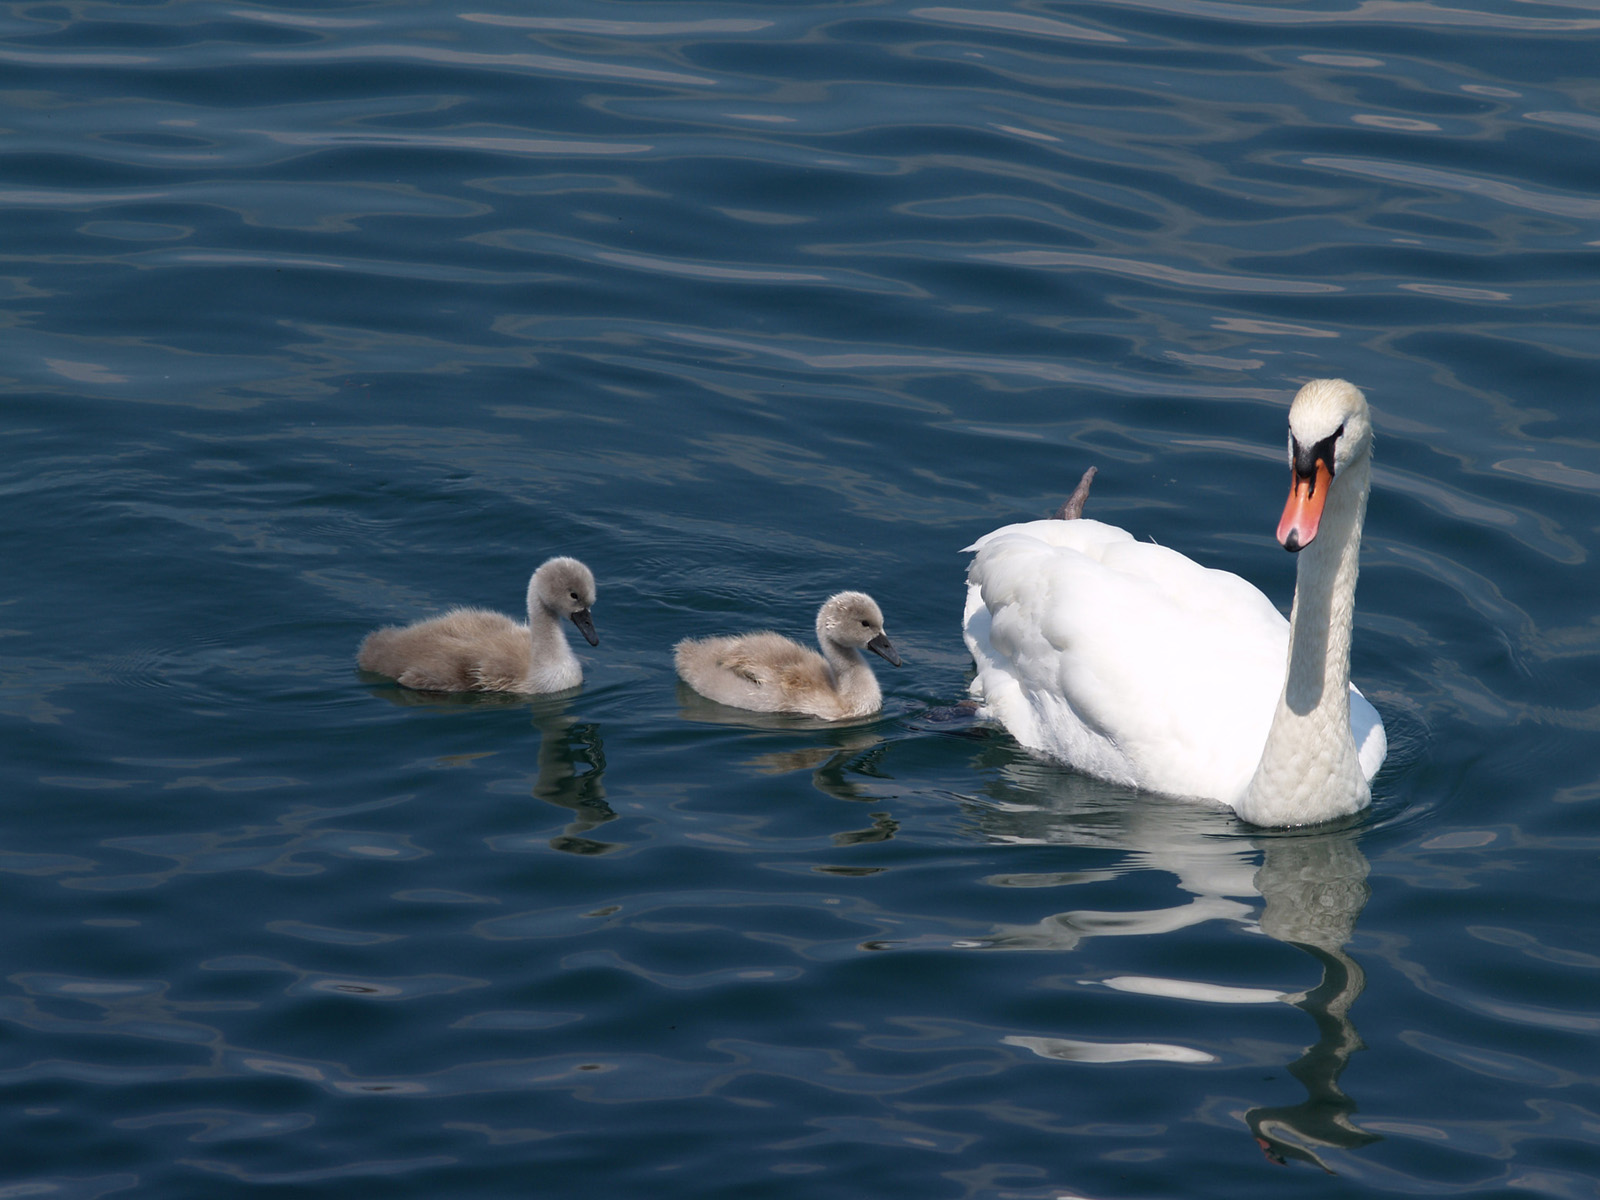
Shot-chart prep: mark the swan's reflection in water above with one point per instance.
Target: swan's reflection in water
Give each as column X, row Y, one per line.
column 1312, row 886
column 571, row 761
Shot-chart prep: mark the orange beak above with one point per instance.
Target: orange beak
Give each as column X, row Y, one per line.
column 1303, row 513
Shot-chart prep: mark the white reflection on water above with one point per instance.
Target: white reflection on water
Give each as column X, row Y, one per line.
column 1068, row 1050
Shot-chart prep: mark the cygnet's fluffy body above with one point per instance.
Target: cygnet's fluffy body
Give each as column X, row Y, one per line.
column 477, row 650
column 766, row 672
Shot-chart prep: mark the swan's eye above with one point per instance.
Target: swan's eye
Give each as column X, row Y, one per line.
column 865, row 624
column 574, row 595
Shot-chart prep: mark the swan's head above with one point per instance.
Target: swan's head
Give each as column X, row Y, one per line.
column 854, row 619
column 1330, row 430
column 565, row 587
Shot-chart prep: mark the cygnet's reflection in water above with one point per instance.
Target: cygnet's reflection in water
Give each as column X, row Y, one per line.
column 571, row 760
column 842, row 757
column 1312, row 886
column 572, row 767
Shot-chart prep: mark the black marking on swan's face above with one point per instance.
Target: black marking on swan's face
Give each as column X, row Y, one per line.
column 1304, row 459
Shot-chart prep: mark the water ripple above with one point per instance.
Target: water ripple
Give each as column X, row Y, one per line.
column 538, row 64
column 1500, row 191
column 1007, row 22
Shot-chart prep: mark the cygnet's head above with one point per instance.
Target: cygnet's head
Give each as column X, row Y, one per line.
column 1330, row 430
column 854, row 619
column 565, row 587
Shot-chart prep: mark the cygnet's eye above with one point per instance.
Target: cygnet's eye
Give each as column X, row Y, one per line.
column 866, row 624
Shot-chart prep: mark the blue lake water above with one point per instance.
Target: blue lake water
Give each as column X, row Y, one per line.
column 324, row 316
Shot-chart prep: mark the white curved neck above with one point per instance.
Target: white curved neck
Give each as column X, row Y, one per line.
column 1309, row 769
column 853, row 678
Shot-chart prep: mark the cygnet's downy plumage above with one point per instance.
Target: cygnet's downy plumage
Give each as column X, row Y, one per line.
column 477, row 650
column 766, row 672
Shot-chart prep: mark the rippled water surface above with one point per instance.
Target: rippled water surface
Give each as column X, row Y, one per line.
column 323, row 316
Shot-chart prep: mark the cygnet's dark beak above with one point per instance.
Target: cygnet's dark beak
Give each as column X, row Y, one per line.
column 585, row 624
column 884, row 648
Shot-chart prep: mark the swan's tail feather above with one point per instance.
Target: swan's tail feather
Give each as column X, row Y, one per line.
column 1073, row 508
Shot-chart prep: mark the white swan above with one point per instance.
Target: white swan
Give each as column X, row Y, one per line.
column 766, row 672
column 1131, row 662
column 476, row 650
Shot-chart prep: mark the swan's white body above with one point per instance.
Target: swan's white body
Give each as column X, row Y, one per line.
column 1130, row 662
column 478, row 650
column 766, row 672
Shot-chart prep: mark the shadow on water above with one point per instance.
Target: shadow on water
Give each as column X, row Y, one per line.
column 1312, row 885
column 454, row 702
column 843, row 762
column 692, row 706
column 571, row 763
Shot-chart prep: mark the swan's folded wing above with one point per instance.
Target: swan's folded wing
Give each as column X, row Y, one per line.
column 1125, row 659
column 1372, row 743
column 771, row 660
